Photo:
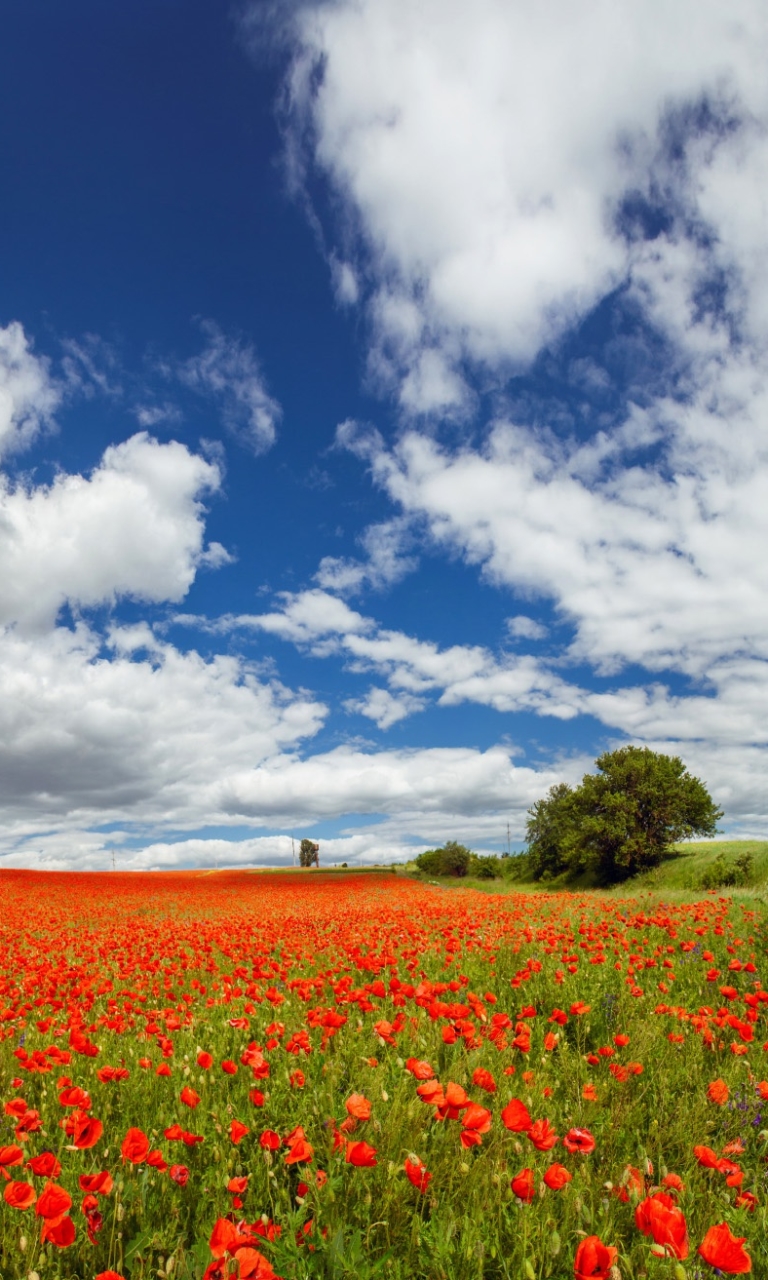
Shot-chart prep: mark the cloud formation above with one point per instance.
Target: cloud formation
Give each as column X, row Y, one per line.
column 29, row 395
column 228, row 371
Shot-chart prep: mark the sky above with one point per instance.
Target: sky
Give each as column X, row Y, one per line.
column 383, row 419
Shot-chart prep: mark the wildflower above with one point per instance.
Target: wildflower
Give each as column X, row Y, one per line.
column 593, row 1259
column 360, row 1154
column 189, row 1097
column 516, row 1116
column 53, row 1201
column 724, row 1251
column 19, row 1195
column 718, row 1092
column 46, row 1165
column 179, row 1173
column 135, row 1146
column 523, row 1185
column 419, row 1069
column 659, row 1217
column 484, row 1080
column 417, row 1174
column 475, row 1121
column 358, row 1107
column 542, row 1135
column 237, row 1131
column 579, row 1140
column 557, row 1176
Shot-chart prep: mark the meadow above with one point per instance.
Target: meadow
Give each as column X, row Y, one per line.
column 346, row 1075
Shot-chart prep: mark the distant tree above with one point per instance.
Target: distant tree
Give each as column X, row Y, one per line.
column 621, row 820
column 450, row 860
column 309, row 854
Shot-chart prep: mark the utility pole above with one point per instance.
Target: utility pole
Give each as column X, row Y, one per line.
column 293, row 852
column 113, row 860
column 509, row 847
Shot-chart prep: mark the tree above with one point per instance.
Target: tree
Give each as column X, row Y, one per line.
column 621, row 820
column 451, row 860
column 309, row 854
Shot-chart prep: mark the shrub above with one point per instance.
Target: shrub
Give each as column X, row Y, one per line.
column 484, row 866
column 723, row 875
column 451, row 860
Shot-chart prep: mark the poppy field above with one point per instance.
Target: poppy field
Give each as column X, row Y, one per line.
column 359, row 1075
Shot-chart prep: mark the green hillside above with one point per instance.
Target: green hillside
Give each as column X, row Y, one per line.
column 687, row 868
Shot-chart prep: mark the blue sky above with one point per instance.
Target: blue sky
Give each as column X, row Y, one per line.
column 383, row 408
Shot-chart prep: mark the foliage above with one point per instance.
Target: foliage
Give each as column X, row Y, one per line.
column 484, row 866
column 309, row 854
column 621, row 820
column 451, row 859
column 393, row 1081
column 722, row 875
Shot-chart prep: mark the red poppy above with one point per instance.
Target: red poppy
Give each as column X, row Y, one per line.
column 542, row 1135
column 724, row 1251
column 204, row 1060
column 747, row 1200
column 523, row 1185
column 419, row 1069
column 706, row 1157
column 45, row 1165
column 135, row 1146
column 484, row 1080
column 60, row 1231
column 84, row 1130
column 189, row 1097
column 229, row 1067
column 270, row 1140
column 593, row 1259
column 579, row 1140
column 516, row 1116
column 19, row 1195
column 238, row 1186
column 361, row 1154
column 358, row 1107
column 300, row 1152
column 179, row 1173
column 9, row 1156
column 99, row 1184
column 54, row 1201
column 557, row 1176
column 475, row 1121
column 109, row 1275
column 431, row 1092
column 237, row 1131
column 417, row 1173
column 659, row 1217
column 718, row 1092
column 252, row 1265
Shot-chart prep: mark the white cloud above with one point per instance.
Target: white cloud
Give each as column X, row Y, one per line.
column 156, row 415
column 522, row 627
column 29, row 396
column 228, row 370
column 484, row 152
column 134, row 527
column 385, row 708
column 388, row 548
column 132, row 730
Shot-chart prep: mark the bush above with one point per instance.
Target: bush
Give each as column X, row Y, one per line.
column 484, row 866
column 309, row 854
column 723, row 875
column 451, row 860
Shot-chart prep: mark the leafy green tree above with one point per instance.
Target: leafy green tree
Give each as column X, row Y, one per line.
column 309, row 853
column 548, row 832
column 621, row 820
column 451, row 860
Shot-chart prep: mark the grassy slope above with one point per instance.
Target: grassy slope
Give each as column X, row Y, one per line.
column 681, row 871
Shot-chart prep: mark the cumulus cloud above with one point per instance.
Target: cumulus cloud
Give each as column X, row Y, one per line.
column 228, row 371
column 385, row 708
column 388, row 546
column 486, row 155
column 134, row 527
column 29, row 395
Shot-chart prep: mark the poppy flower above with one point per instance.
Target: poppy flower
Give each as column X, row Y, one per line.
column 593, row 1259
column 135, row 1146
column 45, row 1165
column 557, row 1176
column 270, row 1140
column 54, row 1200
column 237, row 1131
column 155, row 1160
column 225, row 1238
column 298, row 1079
column 542, row 1135
column 204, row 1060
column 361, row 1154
column 109, row 1275
column 189, row 1097
column 579, row 1140
column 523, row 1185
column 252, row 1265
column 550, row 1041
column 419, row 1069
column 60, row 1231
column 358, row 1107
column 589, row 1093
column 659, row 1217
column 484, row 1080
column 417, row 1174
column 747, row 1200
column 179, row 1173
column 300, row 1152
column 706, row 1157
column 99, row 1184
column 673, row 1181
column 84, row 1130
column 75, row 1097
column 431, row 1092
column 19, row 1195
column 229, row 1067
column 10, row 1155
column 238, row 1186
column 718, row 1092
column 724, row 1251
column 516, row 1116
